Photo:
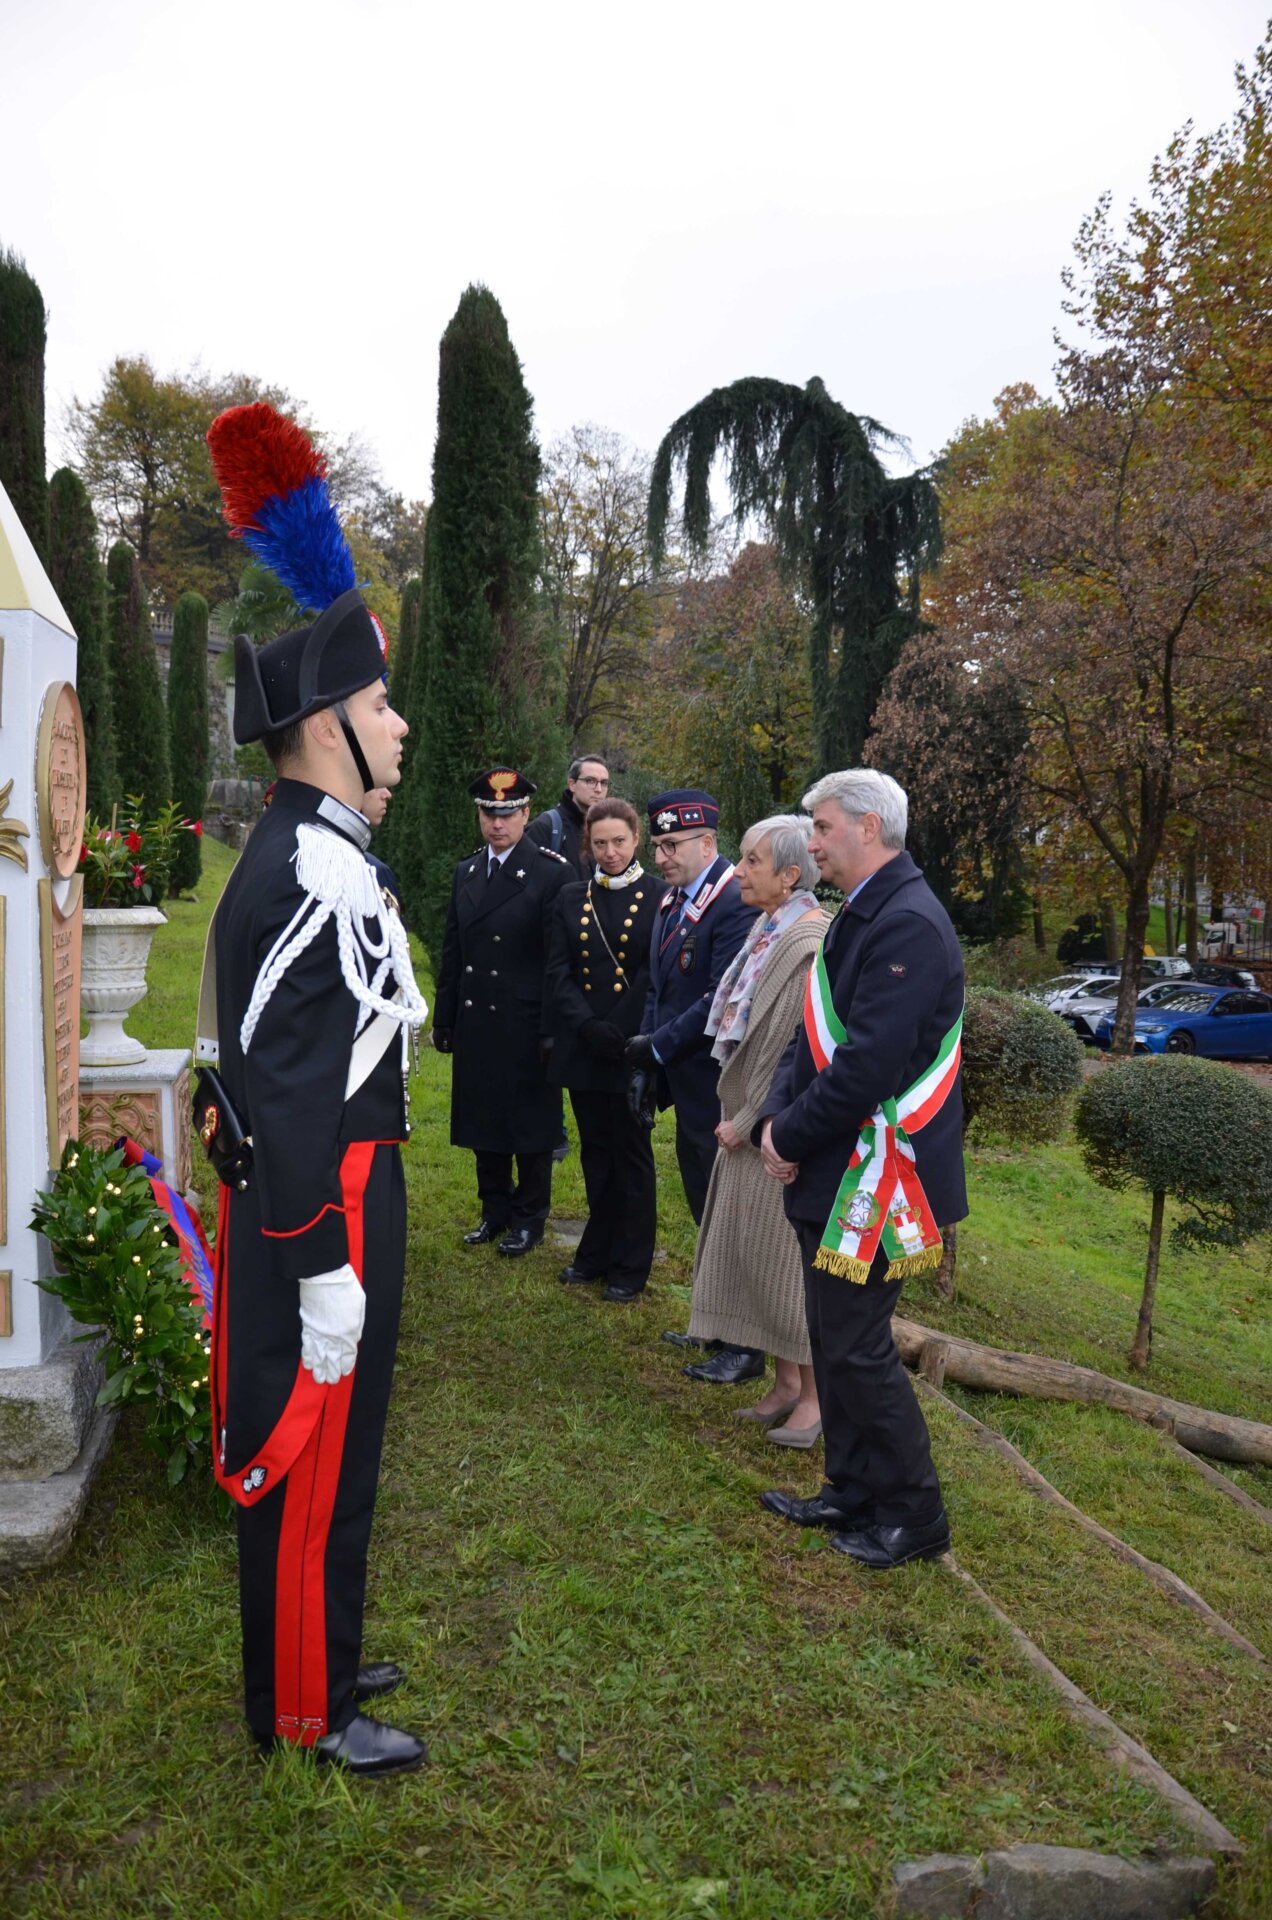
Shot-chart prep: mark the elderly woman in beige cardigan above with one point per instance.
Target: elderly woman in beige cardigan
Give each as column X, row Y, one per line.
column 748, row 1283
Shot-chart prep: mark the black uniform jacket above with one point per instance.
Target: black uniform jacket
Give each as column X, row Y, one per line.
column 290, row 1087
column 490, row 996
column 896, row 979
column 573, row 819
column 584, row 988
column 686, row 964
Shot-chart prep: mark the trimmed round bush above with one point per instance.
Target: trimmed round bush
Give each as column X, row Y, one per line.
column 1021, row 1066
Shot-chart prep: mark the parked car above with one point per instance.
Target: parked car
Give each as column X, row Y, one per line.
column 1055, row 993
column 1101, row 1030
column 1084, row 1011
column 1224, row 1025
column 1214, row 975
column 1166, row 966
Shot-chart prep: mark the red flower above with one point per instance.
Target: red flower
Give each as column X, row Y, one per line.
column 133, row 843
column 83, row 854
column 198, row 827
column 138, row 874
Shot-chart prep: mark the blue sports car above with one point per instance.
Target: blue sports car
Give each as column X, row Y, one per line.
column 1225, row 1024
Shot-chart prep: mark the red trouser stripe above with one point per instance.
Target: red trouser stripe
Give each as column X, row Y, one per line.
column 300, row 1618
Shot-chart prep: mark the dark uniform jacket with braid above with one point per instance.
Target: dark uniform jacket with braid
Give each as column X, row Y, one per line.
column 687, row 960
column 590, row 940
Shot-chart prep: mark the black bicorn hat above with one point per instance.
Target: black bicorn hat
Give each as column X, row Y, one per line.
column 502, row 790
column 303, row 671
column 683, row 807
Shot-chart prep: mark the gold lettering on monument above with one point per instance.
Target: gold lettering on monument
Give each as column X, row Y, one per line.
column 60, row 778
column 61, row 934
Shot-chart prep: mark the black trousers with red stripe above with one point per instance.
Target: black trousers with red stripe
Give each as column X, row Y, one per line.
column 303, row 1545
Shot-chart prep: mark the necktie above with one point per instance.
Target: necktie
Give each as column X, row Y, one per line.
column 492, row 868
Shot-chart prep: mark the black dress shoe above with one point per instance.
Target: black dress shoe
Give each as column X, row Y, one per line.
column 728, row 1367
column 578, row 1276
column 481, row 1235
column 809, row 1513
column 616, row 1291
column 376, row 1678
column 885, row 1547
column 369, row 1747
column 519, row 1240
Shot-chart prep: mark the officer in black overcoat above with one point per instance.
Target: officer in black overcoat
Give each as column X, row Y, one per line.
column 598, row 977
column 310, row 1245
column 489, row 1014
column 894, row 971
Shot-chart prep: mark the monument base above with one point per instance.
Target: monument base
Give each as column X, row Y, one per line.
column 38, row 1518
column 53, row 1439
column 149, row 1101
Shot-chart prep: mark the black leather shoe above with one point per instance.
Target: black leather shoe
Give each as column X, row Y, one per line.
column 376, row 1678
column 577, row 1276
column 809, row 1513
column 885, row 1547
column 728, row 1367
column 615, row 1291
column 519, row 1240
column 481, row 1235
column 369, row 1747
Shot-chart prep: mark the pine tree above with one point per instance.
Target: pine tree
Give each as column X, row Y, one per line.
column 23, row 330
column 75, row 569
column 188, row 730
column 486, row 681
column 141, row 725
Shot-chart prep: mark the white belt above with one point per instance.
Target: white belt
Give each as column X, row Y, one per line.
column 369, row 1049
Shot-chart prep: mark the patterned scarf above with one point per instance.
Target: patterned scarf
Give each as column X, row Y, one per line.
column 614, row 881
column 731, row 1008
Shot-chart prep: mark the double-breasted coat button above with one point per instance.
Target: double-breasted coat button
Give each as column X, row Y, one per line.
column 467, row 969
column 494, row 973
column 587, row 986
column 468, row 1003
column 628, row 921
column 497, row 939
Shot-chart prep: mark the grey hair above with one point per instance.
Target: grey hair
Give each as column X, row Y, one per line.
column 788, row 833
column 859, row 790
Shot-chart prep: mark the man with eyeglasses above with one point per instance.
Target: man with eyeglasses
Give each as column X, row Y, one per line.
column 700, row 926
column 560, row 828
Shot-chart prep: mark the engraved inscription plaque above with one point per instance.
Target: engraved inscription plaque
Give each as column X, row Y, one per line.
column 61, row 933
column 60, row 778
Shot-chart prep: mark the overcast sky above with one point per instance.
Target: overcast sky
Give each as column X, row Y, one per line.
column 664, row 197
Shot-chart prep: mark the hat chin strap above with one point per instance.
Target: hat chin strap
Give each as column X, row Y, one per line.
column 354, row 745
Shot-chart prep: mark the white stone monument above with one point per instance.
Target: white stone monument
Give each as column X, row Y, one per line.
column 51, row 1437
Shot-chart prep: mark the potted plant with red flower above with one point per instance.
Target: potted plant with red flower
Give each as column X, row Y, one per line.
column 126, row 865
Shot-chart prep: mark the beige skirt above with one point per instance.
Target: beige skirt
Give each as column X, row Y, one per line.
column 748, row 1278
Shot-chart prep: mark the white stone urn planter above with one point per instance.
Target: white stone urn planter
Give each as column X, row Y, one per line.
column 113, row 980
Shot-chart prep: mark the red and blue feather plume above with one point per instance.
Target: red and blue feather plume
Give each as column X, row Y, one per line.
column 273, row 483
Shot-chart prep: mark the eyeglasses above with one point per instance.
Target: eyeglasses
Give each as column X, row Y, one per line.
column 674, row 846
column 591, row 780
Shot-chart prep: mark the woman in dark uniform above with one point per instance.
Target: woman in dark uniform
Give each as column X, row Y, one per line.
column 597, row 977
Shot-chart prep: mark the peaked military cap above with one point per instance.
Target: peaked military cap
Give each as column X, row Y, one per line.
column 502, row 790
column 304, row 671
column 682, row 807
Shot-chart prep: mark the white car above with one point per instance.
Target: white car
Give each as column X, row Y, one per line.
column 1057, row 993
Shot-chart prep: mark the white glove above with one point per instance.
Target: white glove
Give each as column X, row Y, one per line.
column 332, row 1310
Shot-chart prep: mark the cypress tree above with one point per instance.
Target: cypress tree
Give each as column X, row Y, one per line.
column 486, row 682
column 141, row 725
column 23, row 329
column 403, row 653
column 75, row 569
column 188, row 730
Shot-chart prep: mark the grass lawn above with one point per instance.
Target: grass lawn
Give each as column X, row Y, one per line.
column 644, row 1697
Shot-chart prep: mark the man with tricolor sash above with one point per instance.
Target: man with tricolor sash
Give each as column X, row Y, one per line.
column 863, row 1124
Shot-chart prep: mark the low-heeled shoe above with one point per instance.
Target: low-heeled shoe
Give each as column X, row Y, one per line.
column 370, row 1747
column 886, row 1547
column 728, row 1367
column 519, row 1240
column 771, row 1419
column 617, row 1291
column 377, row 1677
column 808, row 1513
column 804, row 1437
column 577, row 1276
column 482, row 1235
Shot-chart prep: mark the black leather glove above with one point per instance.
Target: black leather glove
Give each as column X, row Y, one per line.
column 443, row 1040
column 640, row 1097
column 546, row 1045
column 604, row 1039
column 639, row 1053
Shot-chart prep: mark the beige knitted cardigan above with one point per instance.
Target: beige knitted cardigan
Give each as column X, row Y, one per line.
column 748, row 1282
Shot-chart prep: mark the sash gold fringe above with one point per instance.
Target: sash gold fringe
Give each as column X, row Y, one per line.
column 926, row 1262
column 843, row 1265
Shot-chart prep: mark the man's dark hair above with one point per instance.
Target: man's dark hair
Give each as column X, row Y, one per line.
column 577, row 766
column 284, row 746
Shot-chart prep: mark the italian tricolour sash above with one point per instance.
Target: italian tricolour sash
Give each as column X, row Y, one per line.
column 881, row 1199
